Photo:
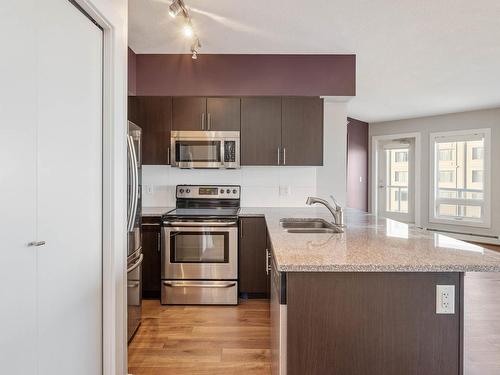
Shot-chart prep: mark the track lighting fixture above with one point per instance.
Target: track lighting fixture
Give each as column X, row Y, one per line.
column 188, row 29
column 194, row 49
column 175, row 8
column 178, row 7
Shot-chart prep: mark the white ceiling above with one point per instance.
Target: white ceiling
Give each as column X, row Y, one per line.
column 414, row 57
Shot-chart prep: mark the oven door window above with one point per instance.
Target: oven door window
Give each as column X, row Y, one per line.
column 198, row 151
column 199, row 247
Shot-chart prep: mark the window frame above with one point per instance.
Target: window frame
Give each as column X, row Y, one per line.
column 455, row 136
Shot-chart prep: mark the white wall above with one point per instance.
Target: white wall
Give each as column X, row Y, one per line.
column 456, row 121
column 112, row 15
column 266, row 186
column 332, row 176
column 260, row 186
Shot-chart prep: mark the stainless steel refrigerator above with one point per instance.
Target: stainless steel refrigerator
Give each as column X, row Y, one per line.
column 134, row 253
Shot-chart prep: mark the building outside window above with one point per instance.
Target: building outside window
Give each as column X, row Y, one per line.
column 460, row 177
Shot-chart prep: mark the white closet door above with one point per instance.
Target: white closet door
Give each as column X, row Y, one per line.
column 69, row 204
column 17, row 188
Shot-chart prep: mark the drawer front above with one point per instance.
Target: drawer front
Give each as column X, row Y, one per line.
column 194, row 292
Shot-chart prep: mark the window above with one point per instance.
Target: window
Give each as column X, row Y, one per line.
column 477, row 153
column 446, row 176
column 460, row 178
column 401, row 156
column 445, row 154
column 477, row 176
column 401, row 177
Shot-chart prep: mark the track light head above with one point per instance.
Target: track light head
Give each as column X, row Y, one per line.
column 175, row 8
column 188, row 29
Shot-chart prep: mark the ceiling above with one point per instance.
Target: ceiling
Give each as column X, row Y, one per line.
column 414, row 57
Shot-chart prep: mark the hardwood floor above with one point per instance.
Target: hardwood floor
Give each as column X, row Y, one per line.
column 202, row 340
column 213, row 340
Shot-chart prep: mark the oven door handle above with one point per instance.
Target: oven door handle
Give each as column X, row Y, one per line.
column 200, row 224
column 188, row 284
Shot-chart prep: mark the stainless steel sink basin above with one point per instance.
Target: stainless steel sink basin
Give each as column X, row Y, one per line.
column 309, row 225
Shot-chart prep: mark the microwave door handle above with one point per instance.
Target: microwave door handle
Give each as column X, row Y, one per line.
column 132, row 183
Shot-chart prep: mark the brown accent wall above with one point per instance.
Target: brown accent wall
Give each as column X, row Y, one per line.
column 246, row 75
column 132, row 77
column 357, row 164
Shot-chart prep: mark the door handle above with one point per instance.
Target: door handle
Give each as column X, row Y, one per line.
column 36, row 243
column 137, row 264
column 284, row 155
column 168, row 155
column 159, row 242
column 267, row 261
column 184, row 284
column 278, row 156
column 203, row 121
column 209, row 121
column 133, row 285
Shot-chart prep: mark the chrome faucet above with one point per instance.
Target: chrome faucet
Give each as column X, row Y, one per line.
column 337, row 212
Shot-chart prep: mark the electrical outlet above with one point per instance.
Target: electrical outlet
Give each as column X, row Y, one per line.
column 445, row 299
column 149, row 189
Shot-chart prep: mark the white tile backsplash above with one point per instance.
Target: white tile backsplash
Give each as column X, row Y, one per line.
column 260, row 186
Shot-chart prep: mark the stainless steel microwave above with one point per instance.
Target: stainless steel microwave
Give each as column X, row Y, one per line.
column 205, row 149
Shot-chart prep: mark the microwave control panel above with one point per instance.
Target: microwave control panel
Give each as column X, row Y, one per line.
column 229, row 151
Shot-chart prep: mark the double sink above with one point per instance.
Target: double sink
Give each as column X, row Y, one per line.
column 309, row 225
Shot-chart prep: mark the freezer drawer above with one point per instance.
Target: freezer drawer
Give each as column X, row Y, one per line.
column 197, row 292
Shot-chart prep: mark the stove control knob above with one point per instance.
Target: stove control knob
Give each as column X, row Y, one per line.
column 188, row 191
column 181, row 191
column 222, row 191
column 228, row 191
column 234, row 191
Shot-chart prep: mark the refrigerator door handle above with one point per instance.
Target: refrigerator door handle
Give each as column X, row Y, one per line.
column 136, row 264
column 135, row 183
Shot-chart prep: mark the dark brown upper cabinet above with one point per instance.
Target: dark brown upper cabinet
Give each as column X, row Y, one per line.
column 189, row 113
column 260, row 130
column 223, row 114
column 282, row 131
column 154, row 115
column 253, row 278
column 198, row 113
column 302, row 131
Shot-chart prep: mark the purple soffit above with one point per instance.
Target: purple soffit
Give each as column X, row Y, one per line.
column 241, row 75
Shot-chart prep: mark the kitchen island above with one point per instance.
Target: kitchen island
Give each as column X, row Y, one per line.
column 365, row 301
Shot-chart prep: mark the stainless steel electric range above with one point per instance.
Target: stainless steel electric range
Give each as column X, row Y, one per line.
column 200, row 246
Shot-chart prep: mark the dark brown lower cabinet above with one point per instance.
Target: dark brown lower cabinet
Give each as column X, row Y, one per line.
column 372, row 324
column 252, row 276
column 151, row 265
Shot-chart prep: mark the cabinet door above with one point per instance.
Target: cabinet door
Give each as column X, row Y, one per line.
column 302, row 131
column 253, row 278
column 154, row 115
column 189, row 113
column 260, row 130
column 223, row 114
column 151, row 265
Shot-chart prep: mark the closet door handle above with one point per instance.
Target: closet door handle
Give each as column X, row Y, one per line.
column 36, row 243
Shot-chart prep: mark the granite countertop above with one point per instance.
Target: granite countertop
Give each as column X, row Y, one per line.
column 369, row 244
column 155, row 211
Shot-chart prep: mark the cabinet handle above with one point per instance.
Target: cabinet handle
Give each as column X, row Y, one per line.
column 241, row 228
column 209, row 121
column 36, row 243
column 203, row 121
column 278, row 156
column 284, row 155
column 159, row 242
column 168, row 155
column 267, row 261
